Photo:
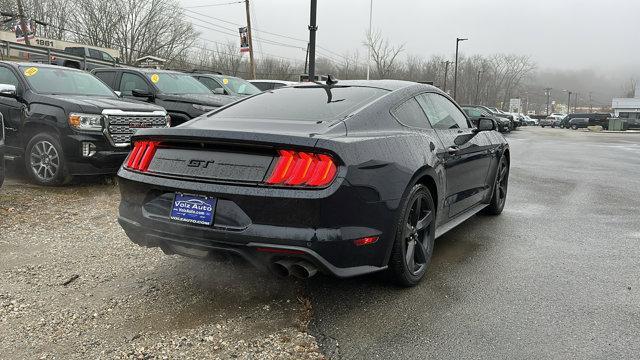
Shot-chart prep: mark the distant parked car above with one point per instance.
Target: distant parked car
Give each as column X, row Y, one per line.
column 227, row 85
column 578, row 123
column 89, row 53
column 601, row 119
column 530, row 121
column 179, row 93
column 475, row 113
column 550, row 121
column 265, row 85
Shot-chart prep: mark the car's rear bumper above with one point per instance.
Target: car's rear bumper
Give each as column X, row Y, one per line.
column 264, row 225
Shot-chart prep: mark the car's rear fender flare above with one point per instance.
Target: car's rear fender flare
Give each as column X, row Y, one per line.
column 427, row 176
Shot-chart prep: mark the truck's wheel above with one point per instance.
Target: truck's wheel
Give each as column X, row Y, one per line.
column 44, row 161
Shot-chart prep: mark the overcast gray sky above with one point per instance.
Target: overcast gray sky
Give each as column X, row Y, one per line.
column 563, row 34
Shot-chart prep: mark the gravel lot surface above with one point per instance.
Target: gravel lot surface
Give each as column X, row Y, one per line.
column 555, row 276
column 72, row 286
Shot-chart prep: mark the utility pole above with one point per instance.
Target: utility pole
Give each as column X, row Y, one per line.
column 306, row 59
column 547, row 92
column 446, row 74
column 23, row 23
column 478, row 87
column 312, row 40
column 569, row 104
column 251, row 60
column 369, row 47
column 590, row 103
column 455, row 73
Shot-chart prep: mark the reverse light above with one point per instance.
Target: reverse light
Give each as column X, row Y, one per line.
column 141, row 155
column 296, row 168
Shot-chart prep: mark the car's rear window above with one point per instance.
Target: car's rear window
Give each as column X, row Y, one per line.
column 303, row 103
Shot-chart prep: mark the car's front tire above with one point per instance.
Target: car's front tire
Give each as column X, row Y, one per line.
column 414, row 238
column 499, row 196
column 45, row 162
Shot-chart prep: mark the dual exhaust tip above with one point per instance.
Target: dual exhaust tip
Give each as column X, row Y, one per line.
column 299, row 268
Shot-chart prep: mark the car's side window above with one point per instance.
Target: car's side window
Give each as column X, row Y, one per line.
column 107, row 57
column 442, row 113
column 209, row 83
column 409, row 113
column 130, row 82
column 8, row 77
column 108, row 77
column 95, row 54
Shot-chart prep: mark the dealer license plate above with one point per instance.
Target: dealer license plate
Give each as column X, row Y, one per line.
column 193, row 209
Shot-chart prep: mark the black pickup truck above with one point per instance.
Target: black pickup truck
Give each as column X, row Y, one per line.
column 85, row 52
column 63, row 122
column 179, row 93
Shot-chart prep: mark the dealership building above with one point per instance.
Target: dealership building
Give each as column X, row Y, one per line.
column 628, row 108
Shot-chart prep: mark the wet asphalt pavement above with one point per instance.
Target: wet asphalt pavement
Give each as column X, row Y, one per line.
column 557, row 275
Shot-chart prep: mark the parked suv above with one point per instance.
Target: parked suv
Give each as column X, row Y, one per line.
column 601, row 119
column 227, row 85
column 88, row 53
column 179, row 93
column 64, row 122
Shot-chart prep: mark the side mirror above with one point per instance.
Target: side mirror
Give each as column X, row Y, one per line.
column 219, row 91
column 485, row 124
column 7, row 90
column 119, row 93
column 142, row 93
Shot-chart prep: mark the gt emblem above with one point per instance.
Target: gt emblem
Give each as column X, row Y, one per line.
column 200, row 163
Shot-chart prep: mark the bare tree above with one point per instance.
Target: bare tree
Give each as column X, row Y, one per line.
column 383, row 54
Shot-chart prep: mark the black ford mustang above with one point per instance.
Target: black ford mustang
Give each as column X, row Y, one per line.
column 346, row 179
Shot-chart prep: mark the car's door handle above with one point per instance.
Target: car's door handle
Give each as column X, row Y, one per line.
column 453, row 150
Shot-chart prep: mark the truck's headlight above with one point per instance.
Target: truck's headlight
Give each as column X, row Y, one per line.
column 204, row 107
column 85, row 121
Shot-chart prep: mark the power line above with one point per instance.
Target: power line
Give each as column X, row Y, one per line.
column 211, row 5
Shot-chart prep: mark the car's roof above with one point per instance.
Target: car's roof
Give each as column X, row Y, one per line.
column 40, row 65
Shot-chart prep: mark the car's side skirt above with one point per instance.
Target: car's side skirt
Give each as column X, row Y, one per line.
column 462, row 217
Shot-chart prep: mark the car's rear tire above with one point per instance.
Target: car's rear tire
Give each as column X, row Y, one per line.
column 414, row 238
column 499, row 196
column 44, row 161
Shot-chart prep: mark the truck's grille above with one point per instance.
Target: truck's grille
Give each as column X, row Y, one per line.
column 120, row 128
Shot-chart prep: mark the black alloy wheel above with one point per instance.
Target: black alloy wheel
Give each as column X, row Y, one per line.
column 415, row 235
column 499, row 197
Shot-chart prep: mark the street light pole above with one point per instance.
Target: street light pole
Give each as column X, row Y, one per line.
column 455, row 73
column 369, row 47
column 569, row 104
column 312, row 40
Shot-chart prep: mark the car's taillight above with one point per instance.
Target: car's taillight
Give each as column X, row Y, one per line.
column 141, row 155
column 297, row 168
